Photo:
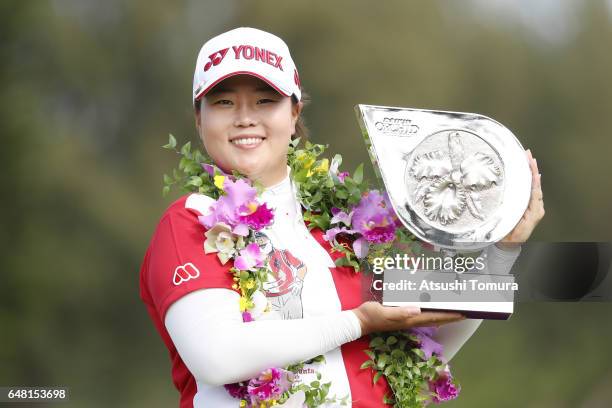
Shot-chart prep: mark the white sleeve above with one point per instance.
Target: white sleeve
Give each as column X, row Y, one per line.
column 218, row 348
column 454, row 335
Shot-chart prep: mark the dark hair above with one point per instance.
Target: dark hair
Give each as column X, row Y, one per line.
column 301, row 130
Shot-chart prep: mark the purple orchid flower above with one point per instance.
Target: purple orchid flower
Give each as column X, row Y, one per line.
column 342, row 175
column 238, row 208
column 444, row 388
column 270, row 384
column 251, row 256
column 426, row 343
column 374, row 219
column 209, row 168
column 330, row 234
column 340, row 216
column 361, row 247
column 237, row 390
column 260, row 218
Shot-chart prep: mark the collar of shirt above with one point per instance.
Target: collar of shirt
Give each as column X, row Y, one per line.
column 282, row 197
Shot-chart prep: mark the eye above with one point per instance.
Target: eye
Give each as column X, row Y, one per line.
column 265, row 100
column 223, row 102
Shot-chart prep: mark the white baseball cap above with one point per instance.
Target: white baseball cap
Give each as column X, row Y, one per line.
column 248, row 51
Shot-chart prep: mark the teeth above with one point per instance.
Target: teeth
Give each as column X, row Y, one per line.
column 247, row 141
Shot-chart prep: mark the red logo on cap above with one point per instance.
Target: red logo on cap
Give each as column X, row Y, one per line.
column 215, row 59
column 258, row 54
column 296, row 78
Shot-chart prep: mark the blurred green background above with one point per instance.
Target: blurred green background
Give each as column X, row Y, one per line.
column 91, row 89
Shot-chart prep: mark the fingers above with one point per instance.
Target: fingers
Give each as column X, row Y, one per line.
column 400, row 314
column 435, row 318
column 535, row 211
column 537, row 196
column 375, row 317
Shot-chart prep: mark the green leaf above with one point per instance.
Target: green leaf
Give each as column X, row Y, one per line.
column 171, row 142
column 391, row 340
column 409, row 362
column 195, row 181
column 186, row 149
column 342, row 261
column 358, row 174
column 382, row 361
column 192, row 167
column 341, row 194
column 182, row 163
column 168, row 179
column 367, row 364
column 355, row 195
column 398, row 354
column 317, row 197
column 165, row 190
column 377, row 377
column 377, row 342
column 419, row 352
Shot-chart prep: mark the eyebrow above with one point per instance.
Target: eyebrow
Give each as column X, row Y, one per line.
column 222, row 89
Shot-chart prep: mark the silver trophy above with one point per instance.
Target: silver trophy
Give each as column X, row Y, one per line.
column 460, row 181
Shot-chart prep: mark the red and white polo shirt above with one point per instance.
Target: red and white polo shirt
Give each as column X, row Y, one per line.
column 304, row 282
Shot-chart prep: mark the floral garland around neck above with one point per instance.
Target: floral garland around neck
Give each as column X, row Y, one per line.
column 358, row 222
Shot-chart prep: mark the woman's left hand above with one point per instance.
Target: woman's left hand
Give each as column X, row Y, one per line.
column 533, row 214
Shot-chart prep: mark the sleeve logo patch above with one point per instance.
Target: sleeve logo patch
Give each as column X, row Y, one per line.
column 185, row 272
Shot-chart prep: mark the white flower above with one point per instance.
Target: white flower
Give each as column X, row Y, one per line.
column 220, row 239
column 260, row 303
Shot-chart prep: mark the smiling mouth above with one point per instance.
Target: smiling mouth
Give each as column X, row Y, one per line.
column 247, row 141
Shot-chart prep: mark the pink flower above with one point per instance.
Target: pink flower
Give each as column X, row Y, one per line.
column 340, row 216
column 247, row 317
column 210, row 169
column 270, row 384
column 374, row 218
column 444, row 388
column 426, row 342
column 342, row 175
column 330, row 234
column 361, row 247
column 237, row 390
column 250, row 257
column 260, row 218
column 238, row 208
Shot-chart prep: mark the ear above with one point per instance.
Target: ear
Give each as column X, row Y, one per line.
column 296, row 111
column 197, row 116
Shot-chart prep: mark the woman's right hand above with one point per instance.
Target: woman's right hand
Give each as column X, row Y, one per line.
column 375, row 317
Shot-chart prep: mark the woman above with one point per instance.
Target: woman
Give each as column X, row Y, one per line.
column 247, row 100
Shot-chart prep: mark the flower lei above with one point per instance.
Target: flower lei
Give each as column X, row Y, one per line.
column 358, row 222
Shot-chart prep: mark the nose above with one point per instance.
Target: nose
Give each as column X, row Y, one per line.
column 245, row 116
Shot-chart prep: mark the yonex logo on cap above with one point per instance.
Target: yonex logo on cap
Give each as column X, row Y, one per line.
column 247, row 52
column 183, row 273
column 215, row 58
column 259, row 54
